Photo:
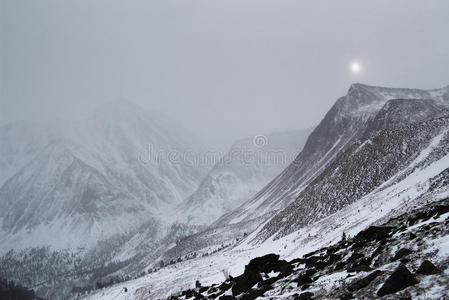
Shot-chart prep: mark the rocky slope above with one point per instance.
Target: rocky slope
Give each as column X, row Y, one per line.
column 380, row 164
column 398, row 162
column 364, row 167
column 362, row 112
column 404, row 258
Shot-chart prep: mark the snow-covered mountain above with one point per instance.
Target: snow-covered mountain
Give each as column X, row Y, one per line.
column 408, row 207
column 77, row 184
column 371, row 166
column 394, row 113
column 144, row 153
column 248, row 165
column 393, row 165
column 360, row 113
column 379, row 152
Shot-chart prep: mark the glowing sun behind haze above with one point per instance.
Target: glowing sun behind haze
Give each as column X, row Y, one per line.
column 355, row 67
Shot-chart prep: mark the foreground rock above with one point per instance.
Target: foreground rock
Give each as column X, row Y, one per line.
column 394, row 256
column 399, row 280
column 427, row 268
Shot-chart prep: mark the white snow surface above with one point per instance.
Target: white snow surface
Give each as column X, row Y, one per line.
column 378, row 206
column 66, row 185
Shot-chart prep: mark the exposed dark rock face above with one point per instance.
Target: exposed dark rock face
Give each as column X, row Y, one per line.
column 400, row 279
column 301, row 276
column 373, row 233
column 304, row 296
column 361, row 283
column 401, row 253
column 427, row 268
column 303, row 279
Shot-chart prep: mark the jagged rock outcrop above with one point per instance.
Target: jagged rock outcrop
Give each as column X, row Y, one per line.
column 321, row 275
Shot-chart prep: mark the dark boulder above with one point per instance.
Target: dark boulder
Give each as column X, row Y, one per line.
column 310, row 272
column 227, row 297
column 303, row 279
column 401, row 253
column 377, row 233
column 333, row 258
column 331, row 249
column 189, row 293
column 358, row 245
column 400, row 279
column 364, row 282
column 346, row 296
column 365, row 261
column 284, row 267
column 245, row 282
column 304, row 296
column 427, row 268
column 246, row 296
column 226, row 285
column 440, row 209
column 255, row 267
column 264, row 263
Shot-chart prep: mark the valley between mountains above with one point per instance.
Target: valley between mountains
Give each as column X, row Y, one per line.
column 114, row 208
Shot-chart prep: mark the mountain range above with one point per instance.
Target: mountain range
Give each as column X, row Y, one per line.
column 121, row 177
column 72, row 185
column 240, row 173
column 362, row 112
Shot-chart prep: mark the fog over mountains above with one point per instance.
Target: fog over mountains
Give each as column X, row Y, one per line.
column 87, row 182
column 248, row 166
column 129, row 192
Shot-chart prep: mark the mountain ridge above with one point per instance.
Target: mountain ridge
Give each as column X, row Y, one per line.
column 342, row 125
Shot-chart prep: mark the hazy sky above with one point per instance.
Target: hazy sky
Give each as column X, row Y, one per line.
column 225, row 69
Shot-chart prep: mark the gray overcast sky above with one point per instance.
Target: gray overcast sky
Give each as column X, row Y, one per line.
column 226, row 69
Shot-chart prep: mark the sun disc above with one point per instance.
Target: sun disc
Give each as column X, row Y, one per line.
column 355, row 67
